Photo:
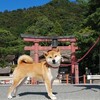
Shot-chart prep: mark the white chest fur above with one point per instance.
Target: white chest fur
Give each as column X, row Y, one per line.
column 52, row 73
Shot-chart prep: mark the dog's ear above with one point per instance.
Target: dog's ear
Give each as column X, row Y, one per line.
column 56, row 49
column 45, row 53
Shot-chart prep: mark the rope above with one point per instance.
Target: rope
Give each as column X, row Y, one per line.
column 89, row 50
column 98, row 39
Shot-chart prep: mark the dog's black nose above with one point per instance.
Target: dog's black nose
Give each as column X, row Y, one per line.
column 53, row 61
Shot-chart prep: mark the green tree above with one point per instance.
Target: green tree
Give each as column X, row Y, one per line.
column 44, row 27
column 83, row 2
column 88, row 34
column 9, row 44
column 93, row 16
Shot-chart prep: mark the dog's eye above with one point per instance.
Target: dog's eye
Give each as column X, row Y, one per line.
column 50, row 57
column 55, row 55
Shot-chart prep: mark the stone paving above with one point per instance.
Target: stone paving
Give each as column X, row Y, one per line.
column 62, row 92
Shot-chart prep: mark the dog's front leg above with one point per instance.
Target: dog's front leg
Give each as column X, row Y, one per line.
column 49, row 89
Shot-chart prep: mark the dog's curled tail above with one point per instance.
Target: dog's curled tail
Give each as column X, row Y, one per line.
column 25, row 59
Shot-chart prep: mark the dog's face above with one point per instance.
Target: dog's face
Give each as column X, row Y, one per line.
column 53, row 57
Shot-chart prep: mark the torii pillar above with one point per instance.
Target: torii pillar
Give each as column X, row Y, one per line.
column 74, row 65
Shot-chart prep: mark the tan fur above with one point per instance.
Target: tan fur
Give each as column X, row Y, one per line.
column 25, row 58
column 27, row 68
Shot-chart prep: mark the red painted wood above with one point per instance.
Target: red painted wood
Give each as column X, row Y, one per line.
column 73, row 58
column 76, row 74
column 48, row 47
column 36, row 53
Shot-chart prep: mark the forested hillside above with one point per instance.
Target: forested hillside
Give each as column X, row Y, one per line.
column 58, row 17
column 57, row 14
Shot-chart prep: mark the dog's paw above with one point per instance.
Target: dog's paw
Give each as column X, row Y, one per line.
column 53, row 97
column 10, row 97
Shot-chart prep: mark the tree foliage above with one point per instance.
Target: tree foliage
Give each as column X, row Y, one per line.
column 88, row 34
column 43, row 26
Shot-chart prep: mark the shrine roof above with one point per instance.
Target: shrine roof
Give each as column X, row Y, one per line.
column 45, row 37
column 5, row 70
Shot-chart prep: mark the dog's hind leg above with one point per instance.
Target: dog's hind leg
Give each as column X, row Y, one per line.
column 20, row 83
column 13, row 88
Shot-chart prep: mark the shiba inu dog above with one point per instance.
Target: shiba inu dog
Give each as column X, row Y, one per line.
column 27, row 68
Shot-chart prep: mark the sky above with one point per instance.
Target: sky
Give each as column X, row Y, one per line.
column 20, row 4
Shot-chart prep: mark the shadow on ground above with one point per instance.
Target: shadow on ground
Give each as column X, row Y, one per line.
column 36, row 93
column 94, row 88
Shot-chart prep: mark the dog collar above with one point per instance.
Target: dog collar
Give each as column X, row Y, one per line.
column 48, row 65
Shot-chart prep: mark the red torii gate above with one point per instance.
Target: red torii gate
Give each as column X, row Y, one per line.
column 36, row 47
